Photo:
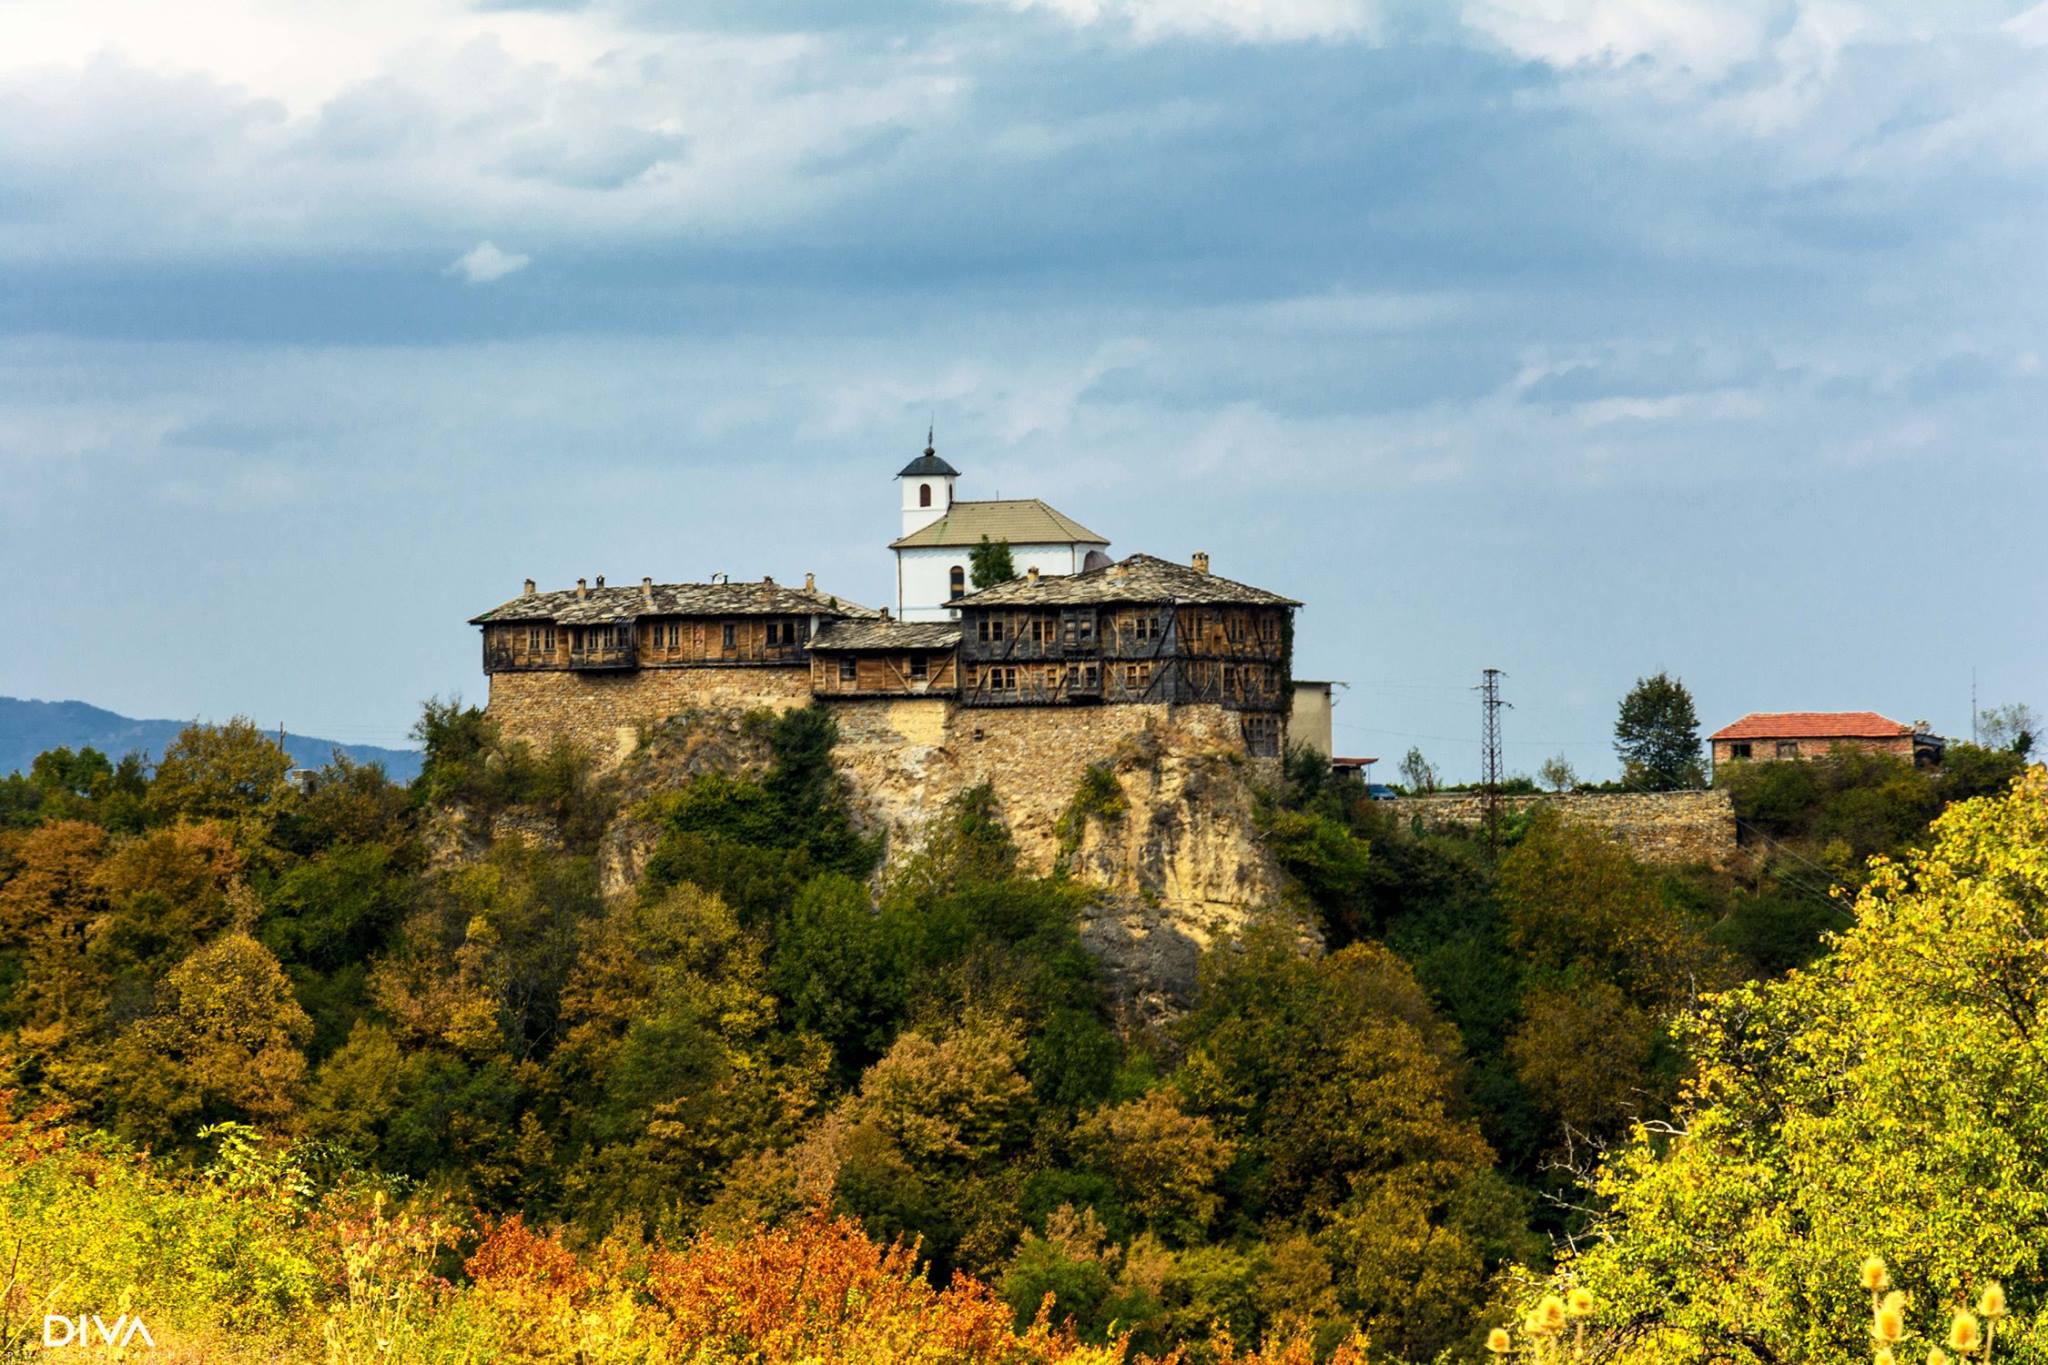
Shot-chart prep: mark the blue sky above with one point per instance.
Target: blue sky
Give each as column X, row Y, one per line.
column 1580, row 340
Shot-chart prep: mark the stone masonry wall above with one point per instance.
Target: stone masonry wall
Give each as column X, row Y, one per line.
column 1669, row 828
column 605, row 712
column 907, row 758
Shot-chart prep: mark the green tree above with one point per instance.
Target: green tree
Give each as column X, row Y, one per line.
column 989, row 563
column 1890, row 1100
column 1557, row 773
column 832, row 970
column 2014, row 728
column 1657, row 736
column 1418, row 774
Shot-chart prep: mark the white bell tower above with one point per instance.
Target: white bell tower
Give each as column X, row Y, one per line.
column 927, row 484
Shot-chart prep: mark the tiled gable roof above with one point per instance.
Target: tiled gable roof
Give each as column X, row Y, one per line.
column 1812, row 725
column 609, row 605
column 862, row 636
column 1136, row 578
column 1020, row 521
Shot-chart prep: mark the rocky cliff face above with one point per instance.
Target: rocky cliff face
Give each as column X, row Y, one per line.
column 1151, row 807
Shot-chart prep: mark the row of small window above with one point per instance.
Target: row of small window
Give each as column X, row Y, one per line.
column 1787, row 748
column 1084, row 677
column 794, row 630
column 582, row 639
column 849, row 668
column 1075, row 630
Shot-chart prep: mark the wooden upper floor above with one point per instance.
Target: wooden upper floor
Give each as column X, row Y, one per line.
column 1141, row 630
column 1138, row 630
column 660, row 626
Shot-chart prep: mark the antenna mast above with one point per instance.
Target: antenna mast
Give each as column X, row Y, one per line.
column 1490, row 704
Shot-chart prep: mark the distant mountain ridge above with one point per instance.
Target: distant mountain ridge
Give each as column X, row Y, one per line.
column 28, row 728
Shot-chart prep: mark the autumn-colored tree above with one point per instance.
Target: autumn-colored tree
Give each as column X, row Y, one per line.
column 924, row 1149
column 1166, row 1163
column 1341, row 1088
column 50, row 905
column 224, row 1043
column 1892, row 1098
column 1583, row 1051
column 167, row 892
column 669, row 1069
column 224, row 772
column 1575, row 899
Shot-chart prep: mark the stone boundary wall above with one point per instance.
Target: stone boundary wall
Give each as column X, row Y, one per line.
column 605, row 712
column 1666, row 828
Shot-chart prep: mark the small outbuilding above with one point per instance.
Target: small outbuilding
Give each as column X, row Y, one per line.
column 1771, row 735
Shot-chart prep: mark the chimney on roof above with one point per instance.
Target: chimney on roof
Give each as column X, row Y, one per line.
column 600, row 580
column 582, row 588
column 885, row 613
column 528, row 592
column 810, row 582
column 647, row 590
column 1031, row 575
column 1201, row 561
column 719, row 579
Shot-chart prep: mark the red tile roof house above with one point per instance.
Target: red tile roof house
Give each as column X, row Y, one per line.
column 1811, row 734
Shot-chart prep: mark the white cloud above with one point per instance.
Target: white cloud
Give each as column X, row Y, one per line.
column 1257, row 21
column 486, row 262
column 1703, row 38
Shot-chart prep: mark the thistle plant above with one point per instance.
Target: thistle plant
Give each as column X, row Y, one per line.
column 1970, row 1334
column 1544, row 1330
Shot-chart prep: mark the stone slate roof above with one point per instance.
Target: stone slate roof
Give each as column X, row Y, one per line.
column 1136, row 578
column 1813, row 725
column 1021, row 521
column 885, row 636
column 928, row 463
column 609, row 605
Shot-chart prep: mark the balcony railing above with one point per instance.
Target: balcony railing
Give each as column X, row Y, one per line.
column 517, row 661
column 602, row 656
